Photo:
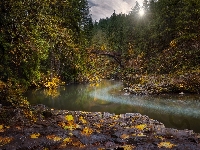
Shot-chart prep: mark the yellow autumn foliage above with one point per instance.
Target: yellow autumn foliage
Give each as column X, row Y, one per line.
column 52, row 83
column 87, row 131
column 70, row 127
column 67, row 140
column 1, row 128
column 141, row 126
column 98, row 125
column 160, row 137
column 69, row 118
column 173, row 43
column 128, row 147
column 5, row 140
column 124, row 136
column 115, row 117
column 35, row 135
column 53, row 137
column 51, row 92
column 166, row 145
column 81, row 119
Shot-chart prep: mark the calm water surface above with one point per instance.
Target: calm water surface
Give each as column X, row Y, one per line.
column 175, row 111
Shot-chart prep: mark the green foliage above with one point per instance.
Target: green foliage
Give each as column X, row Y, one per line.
column 43, row 37
column 165, row 40
column 56, row 39
column 168, row 31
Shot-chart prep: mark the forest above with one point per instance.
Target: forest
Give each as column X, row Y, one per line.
column 51, row 43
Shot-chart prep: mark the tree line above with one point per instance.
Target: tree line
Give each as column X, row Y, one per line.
column 166, row 38
column 160, row 50
column 45, row 41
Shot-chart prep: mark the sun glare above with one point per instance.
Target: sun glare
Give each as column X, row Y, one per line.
column 141, row 12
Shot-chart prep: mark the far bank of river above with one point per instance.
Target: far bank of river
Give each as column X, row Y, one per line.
column 175, row 111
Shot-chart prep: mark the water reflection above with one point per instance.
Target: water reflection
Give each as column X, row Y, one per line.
column 176, row 111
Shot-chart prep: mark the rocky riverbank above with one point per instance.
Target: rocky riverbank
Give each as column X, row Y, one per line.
column 62, row 129
column 158, row 84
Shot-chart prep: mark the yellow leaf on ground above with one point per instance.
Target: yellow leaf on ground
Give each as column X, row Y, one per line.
column 128, row 147
column 1, row 128
column 124, row 136
column 112, row 124
column 166, row 145
column 141, row 126
column 53, row 137
column 57, row 138
column 115, row 117
column 98, row 125
column 141, row 135
column 5, row 140
column 70, row 134
column 160, row 137
column 67, row 140
column 35, row 135
column 69, row 118
column 70, row 127
column 87, row 131
column 82, row 120
column 61, row 124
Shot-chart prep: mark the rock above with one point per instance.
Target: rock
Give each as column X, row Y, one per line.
column 47, row 114
column 101, row 131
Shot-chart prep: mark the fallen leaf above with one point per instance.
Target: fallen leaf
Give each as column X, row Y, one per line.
column 5, row 140
column 98, row 125
column 57, row 138
column 81, row 119
column 141, row 135
column 115, row 117
column 35, row 135
column 70, row 127
column 53, row 137
column 69, row 118
column 78, row 126
column 61, row 124
column 112, row 124
column 1, row 128
column 128, row 147
column 70, row 134
column 67, row 140
column 134, row 134
column 124, row 136
column 166, row 145
column 160, row 137
column 141, row 126
column 87, row 131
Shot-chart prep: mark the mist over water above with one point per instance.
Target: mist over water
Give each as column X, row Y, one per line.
column 175, row 111
column 178, row 105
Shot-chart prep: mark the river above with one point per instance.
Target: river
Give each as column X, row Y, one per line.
column 174, row 110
